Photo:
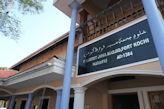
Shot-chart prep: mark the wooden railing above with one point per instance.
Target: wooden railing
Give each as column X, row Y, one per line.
column 116, row 15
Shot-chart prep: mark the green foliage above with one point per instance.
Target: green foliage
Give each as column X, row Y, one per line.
column 11, row 25
column 3, row 68
column 30, row 6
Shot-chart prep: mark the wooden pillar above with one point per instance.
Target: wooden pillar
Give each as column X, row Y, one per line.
column 83, row 18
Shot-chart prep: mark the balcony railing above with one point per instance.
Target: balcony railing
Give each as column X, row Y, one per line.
column 111, row 18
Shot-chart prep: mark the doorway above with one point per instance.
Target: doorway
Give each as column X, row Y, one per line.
column 23, row 104
column 125, row 101
column 71, row 101
column 44, row 102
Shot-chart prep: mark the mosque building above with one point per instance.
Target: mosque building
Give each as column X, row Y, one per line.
column 113, row 59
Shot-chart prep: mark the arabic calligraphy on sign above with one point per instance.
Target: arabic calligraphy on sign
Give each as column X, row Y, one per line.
column 119, row 41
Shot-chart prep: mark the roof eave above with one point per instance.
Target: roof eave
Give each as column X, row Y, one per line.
column 40, row 50
column 63, row 5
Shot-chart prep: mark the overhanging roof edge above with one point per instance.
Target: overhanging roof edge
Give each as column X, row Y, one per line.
column 40, row 50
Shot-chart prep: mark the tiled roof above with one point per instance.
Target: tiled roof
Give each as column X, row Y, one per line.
column 7, row 73
column 41, row 49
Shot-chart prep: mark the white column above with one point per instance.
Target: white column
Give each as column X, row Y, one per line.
column 79, row 94
column 146, row 100
column 140, row 99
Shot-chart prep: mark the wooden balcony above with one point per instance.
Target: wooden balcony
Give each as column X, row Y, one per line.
column 113, row 17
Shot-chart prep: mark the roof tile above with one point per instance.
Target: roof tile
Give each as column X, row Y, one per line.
column 7, row 73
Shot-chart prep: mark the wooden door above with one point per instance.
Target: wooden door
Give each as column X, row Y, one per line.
column 156, row 100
